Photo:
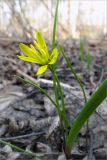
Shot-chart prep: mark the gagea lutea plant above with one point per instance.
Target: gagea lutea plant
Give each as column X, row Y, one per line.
column 42, row 57
column 38, row 53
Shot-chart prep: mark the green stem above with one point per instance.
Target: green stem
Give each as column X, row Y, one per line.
column 60, row 110
column 63, row 112
column 67, row 123
column 56, row 94
column 73, row 71
column 53, row 67
column 95, row 100
column 53, row 46
column 55, row 25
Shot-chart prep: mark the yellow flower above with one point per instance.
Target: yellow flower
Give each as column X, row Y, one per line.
column 38, row 53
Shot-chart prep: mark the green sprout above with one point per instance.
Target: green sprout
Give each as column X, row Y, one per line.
column 82, row 50
column 89, row 61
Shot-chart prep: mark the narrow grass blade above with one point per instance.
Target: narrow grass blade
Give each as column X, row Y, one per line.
column 89, row 61
column 82, row 50
column 29, row 153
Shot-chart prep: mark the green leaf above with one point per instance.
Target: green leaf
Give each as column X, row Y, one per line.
column 95, row 100
column 41, row 70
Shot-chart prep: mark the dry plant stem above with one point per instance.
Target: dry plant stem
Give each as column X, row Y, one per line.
column 23, row 136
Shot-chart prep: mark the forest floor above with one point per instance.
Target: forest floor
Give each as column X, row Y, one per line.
column 29, row 120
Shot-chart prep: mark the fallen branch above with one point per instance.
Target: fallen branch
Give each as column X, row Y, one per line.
column 23, row 136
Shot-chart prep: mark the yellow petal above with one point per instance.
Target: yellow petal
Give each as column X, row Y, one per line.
column 53, row 56
column 41, row 70
column 41, row 42
column 31, row 52
column 32, row 47
column 44, row 55
column 26, row 50
column 29, row 59
column 37, row 45
column 37, row 55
